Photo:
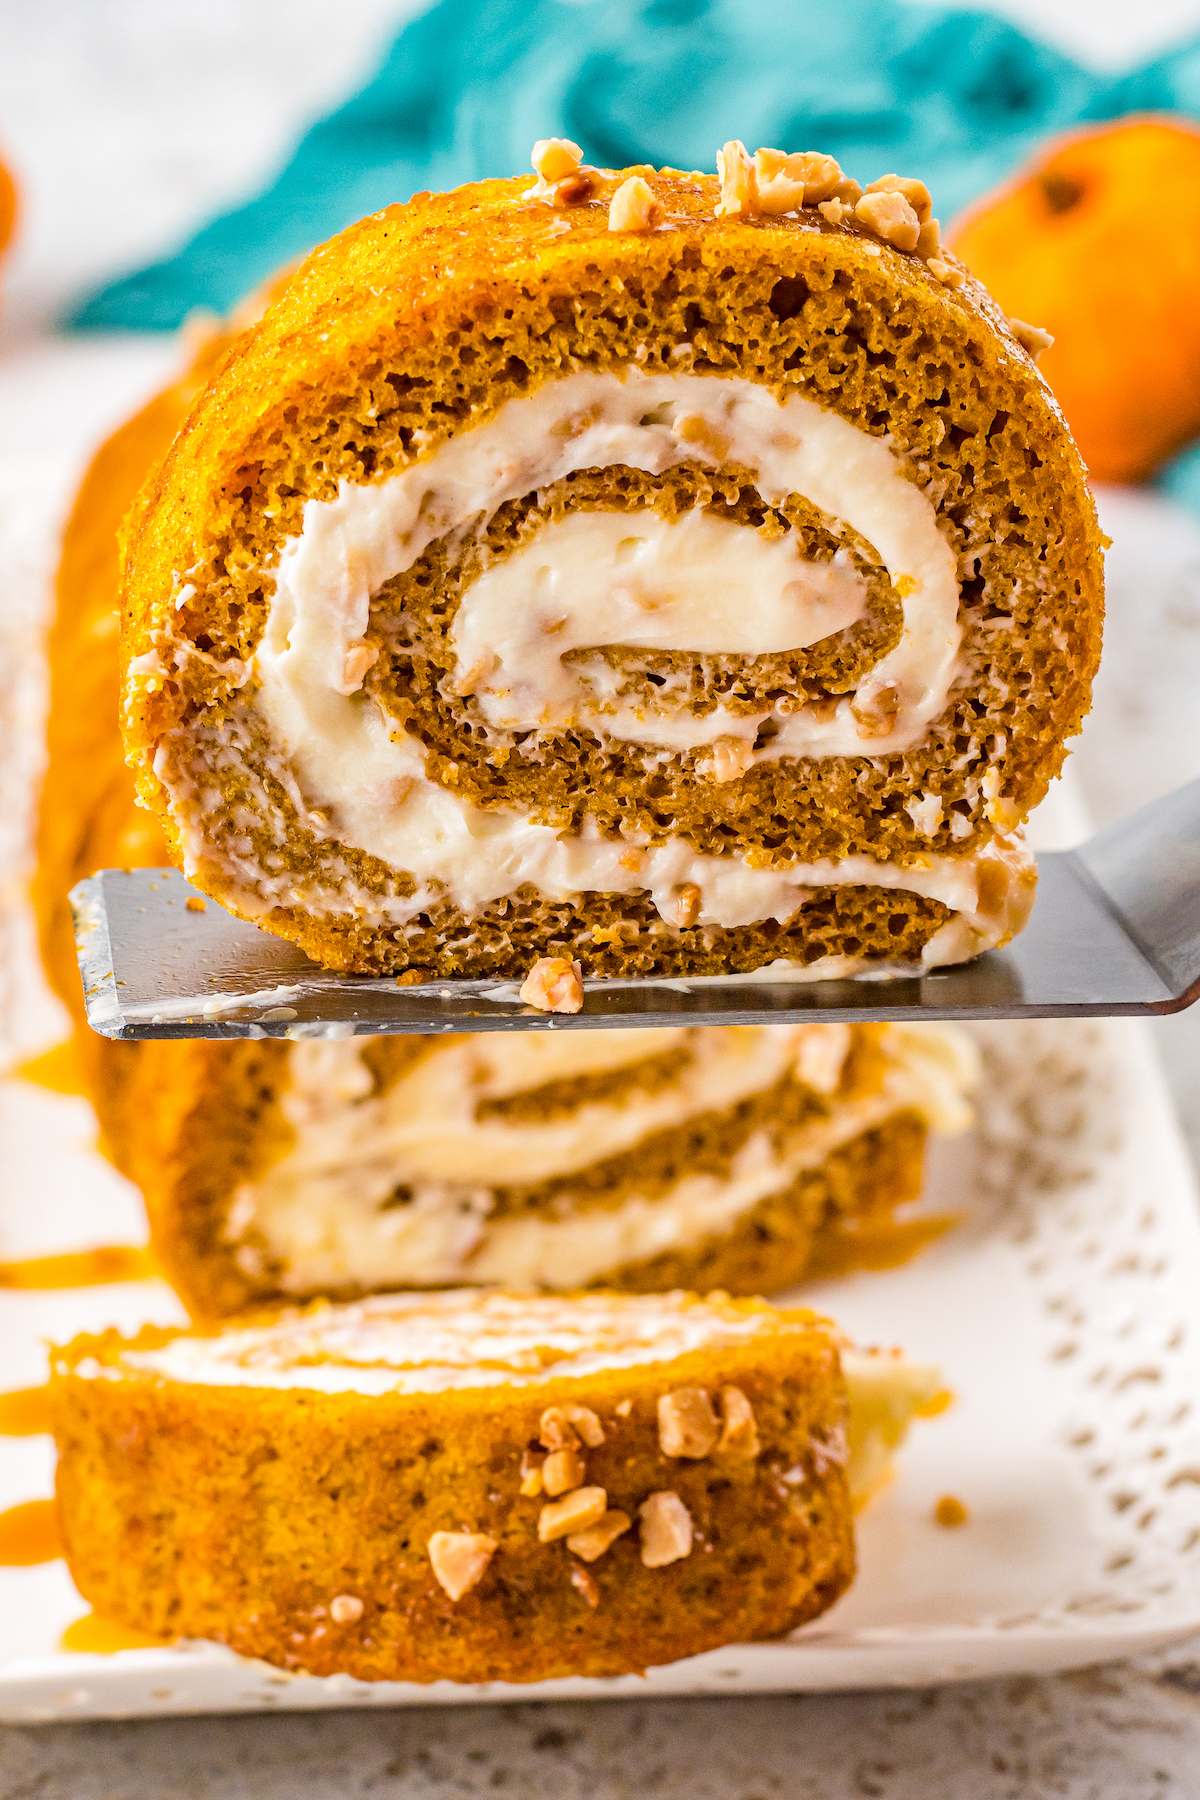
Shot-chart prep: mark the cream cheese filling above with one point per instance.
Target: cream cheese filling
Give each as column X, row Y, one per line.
column 699, row 584
column 349, row 547
column 368, row 777
column 362, row 780
column 320, row 1210
column 371, row 784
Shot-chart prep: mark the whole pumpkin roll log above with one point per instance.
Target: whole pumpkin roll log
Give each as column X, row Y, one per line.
column 663, row 574
column 473, row 1487
column 744, row 1158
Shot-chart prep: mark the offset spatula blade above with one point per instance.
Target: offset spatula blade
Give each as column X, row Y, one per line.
column 1115, row 930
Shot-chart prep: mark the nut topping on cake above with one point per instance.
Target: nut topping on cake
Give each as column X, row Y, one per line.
column 459, row 1559
column 739, row 182
column 687, row 1424
column 596, row 1539
column 946, row 273
column 1031, row 338
column 563, row 178
column 554, row 985
column 575, row 189
column 667, row 1529
column 739, row 1433
column 531, row 1475
column 890, row 216
column 896, row 208
column 562, row 1471
column 633, row 207
column 586, row 1506
column 805, row 178
column 553, row 158
column 915, row 192
column 564, row 1427
column 585, row 1584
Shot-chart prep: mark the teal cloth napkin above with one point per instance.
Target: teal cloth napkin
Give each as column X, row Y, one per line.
column 464, row 90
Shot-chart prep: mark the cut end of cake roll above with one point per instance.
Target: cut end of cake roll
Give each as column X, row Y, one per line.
column 467, row 1486
column 653, row 573
column 645, row 1160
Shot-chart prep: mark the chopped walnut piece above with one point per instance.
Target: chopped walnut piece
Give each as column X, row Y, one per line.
column 585, row 1584
column 915, row 192
column 556, row 1431
column 633, row 207
column 574, row 190
column 195, row 904
column 1031, row 338
column 666, row 1529
column 694, row 428
column 739, row 182
column 562, row 1428
column 586, row 1506
column 890, row 217
column 593, row 1542
column 555, row 157
column 685, row 907
column 687, row 1424
column 946, row 273
column 562, row 1471
column 731, row 757
column 531, row 1475
column 836, row 212
column 345, row 1609
column 586, row 1424
column 473, row 678
column 875, row 715
column 739, row 1432
column 821, row 1057
column 929, row 239
column 554, row 985
column 355, row 666
column 459, row 1559
column 787, row 182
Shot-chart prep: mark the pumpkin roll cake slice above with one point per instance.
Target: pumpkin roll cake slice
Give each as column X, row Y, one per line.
column 476, row 1487
column 644, row 1160
column 665, row 573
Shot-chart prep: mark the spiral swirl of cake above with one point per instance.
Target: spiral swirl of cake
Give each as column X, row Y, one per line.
column 740, row 1157
column 622, row 567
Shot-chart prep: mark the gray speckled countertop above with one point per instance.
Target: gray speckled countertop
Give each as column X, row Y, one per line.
column 107, row 107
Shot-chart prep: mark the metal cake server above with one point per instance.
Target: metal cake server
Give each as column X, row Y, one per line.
column 1115, row 930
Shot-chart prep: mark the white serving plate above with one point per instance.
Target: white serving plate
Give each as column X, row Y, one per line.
column 1062, row 1312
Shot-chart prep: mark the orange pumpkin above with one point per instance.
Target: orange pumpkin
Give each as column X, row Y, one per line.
column 1099, row 242
column 8, row 206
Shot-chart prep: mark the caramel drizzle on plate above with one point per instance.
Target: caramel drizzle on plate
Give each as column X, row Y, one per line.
column 29, row 1534
column 840, row 1249
column 98, row 1636
column 80, row 1268
column 25, row 1412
